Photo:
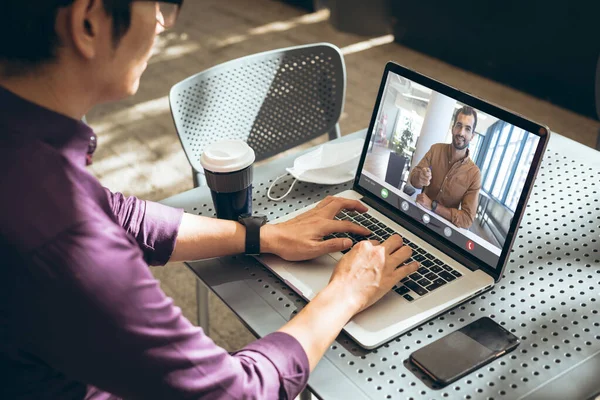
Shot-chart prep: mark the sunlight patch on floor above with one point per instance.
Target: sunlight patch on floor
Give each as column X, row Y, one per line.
column 174, row 52
column 278, row 26
column 367, row 44
column 133, row 114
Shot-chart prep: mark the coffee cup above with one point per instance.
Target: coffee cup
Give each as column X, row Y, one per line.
column 228, row 167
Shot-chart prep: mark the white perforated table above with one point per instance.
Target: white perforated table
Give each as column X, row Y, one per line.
column 549, row 296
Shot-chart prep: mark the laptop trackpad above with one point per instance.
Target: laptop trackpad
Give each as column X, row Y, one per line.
column 311, row 276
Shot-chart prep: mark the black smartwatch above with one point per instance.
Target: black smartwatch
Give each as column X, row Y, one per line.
column 434, row 205
column 252, row 224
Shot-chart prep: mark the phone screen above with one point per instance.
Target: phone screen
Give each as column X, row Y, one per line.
column 463, row 351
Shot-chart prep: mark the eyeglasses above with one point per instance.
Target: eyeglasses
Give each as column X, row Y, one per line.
column 167, row 12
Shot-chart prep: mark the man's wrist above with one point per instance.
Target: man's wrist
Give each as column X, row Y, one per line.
column 351, row 305
column 253, row 224
column 414, row 177
column 268, row 238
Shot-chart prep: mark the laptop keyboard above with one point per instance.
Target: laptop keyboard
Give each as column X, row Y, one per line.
column 432, row 274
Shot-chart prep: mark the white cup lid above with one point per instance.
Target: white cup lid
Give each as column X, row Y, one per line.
column 227, row 156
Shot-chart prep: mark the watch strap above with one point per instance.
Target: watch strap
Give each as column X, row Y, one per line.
column 253, row 225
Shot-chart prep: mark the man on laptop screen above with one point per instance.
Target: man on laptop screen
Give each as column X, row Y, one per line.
column 470, row 165
column 449, row 178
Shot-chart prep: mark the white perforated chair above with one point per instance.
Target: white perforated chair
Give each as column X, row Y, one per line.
column 274, row 101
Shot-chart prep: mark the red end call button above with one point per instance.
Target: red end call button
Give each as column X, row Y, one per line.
column 470, row 245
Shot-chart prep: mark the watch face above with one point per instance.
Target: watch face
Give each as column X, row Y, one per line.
column 256, row 217
column 261, row 216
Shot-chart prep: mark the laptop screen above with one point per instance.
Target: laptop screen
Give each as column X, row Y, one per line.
column 450, row 167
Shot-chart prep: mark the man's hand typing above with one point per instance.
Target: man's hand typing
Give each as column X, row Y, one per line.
column 301, row 238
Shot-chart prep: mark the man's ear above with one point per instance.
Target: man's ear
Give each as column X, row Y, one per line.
column 88, row 24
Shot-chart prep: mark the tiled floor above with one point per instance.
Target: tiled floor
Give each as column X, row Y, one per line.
column 139, row 153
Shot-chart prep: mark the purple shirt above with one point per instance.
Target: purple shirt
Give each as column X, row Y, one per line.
column 79, row 308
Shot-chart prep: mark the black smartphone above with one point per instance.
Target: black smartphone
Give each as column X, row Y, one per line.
column 463, row 351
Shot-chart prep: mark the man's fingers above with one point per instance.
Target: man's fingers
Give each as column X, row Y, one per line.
column 333, row 245
column 401, row 254
column 404, row 270
column 334, row 226
column 425, row 176
column 392, row 244
column 334, row 207
column 324, row 202
column 315, row 209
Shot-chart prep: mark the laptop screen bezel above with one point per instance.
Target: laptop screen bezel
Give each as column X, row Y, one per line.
column 421, row 230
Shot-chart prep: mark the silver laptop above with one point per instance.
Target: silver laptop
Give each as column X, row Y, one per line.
column 415, row 125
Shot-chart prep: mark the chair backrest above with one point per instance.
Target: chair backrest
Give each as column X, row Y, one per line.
column 395, row 169
column 274, row 101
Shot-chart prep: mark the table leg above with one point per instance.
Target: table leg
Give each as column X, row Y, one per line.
column 335, row 133
column 202, row 303
column 305, row 395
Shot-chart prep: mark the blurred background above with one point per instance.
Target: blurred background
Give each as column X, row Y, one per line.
column 538, row 58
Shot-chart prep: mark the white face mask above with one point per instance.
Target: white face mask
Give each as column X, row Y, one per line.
column 329, row 164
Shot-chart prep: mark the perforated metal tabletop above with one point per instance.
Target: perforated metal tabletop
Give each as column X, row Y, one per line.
column 549, row 296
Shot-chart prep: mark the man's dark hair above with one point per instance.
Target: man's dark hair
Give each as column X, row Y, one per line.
column 27, row 32
column 465, row 110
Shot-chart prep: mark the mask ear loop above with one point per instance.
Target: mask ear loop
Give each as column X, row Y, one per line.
column 286, row 193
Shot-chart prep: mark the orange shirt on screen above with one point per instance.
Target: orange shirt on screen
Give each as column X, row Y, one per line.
column 454, row 185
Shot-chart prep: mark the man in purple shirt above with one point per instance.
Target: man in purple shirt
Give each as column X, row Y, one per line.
column 82, row 317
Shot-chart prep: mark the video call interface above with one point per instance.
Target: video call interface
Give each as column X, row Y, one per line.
column 449, row 166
